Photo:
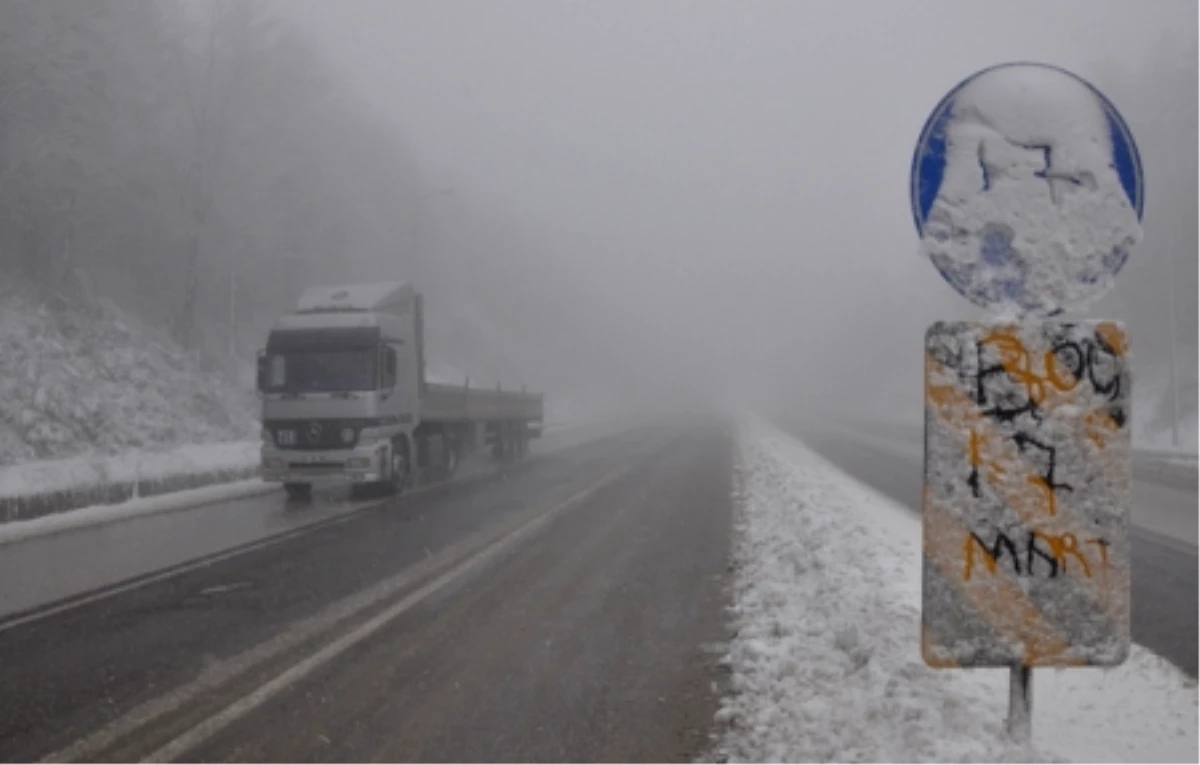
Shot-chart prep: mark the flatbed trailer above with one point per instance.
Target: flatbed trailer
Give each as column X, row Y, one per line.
column 345, row 397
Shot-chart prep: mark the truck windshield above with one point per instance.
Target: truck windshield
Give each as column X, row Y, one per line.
column 323, row 371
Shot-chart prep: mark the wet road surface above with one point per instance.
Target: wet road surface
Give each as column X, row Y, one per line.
column 565, row 611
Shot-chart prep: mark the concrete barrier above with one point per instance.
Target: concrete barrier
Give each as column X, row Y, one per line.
column 34, row 490
column 45, row 487
column 28, row 506
column 1175, row 469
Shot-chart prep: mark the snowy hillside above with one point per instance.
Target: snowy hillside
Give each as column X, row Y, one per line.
column 84, row 378
column 1152, row 405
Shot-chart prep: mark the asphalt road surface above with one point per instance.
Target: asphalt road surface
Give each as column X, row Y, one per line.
column 1164, row 609
column 565, row 611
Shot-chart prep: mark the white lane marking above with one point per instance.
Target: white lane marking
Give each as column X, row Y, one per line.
column 306, row 629
column 221, row 589
column 297, row 672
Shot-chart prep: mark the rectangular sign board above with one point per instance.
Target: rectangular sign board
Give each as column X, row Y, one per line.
column 1028, row 483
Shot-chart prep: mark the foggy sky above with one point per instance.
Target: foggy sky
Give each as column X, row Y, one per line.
column 721, row 187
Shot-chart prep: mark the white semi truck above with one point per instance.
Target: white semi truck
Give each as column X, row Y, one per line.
column 345, row 399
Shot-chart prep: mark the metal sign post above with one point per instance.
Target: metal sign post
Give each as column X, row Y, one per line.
column 1027, row 193
column 1020, row 702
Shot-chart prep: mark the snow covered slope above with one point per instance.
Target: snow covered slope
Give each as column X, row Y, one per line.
column 1152, row 403
column 86, row 377
column 826, row 664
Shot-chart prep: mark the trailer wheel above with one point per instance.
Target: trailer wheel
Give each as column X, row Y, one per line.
column 398, row 473
column 298, row 492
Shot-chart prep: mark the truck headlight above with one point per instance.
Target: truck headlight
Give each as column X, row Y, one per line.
column 273, row 464
column 347, row 435
column 358, row 463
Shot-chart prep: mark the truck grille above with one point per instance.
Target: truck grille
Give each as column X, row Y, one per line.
column 319, row 466
column 313, row 435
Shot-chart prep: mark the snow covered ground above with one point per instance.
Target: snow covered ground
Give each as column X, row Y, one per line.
column 1162, row 438
column 77, row 473
column 82, row 377
column 826, row 662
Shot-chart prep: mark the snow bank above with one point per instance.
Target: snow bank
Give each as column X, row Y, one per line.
column 81, row 376
column 826, row 661
column 77, row 473
column 53, row 486
column 1155, row 429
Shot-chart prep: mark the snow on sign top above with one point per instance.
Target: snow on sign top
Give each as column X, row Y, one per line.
column 1027, row 190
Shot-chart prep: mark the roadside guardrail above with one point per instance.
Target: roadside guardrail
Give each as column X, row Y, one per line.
column 29, row 506
column 1176, row 468
column 46, row 487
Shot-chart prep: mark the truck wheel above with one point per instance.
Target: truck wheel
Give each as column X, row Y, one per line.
column 298, row 491
column 398, row 475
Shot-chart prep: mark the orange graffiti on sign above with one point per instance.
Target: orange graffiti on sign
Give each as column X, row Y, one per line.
column 1018, row 362
column 1059, row 550
column 1040, row 413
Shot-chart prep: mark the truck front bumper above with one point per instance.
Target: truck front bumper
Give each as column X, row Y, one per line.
column 366, row 463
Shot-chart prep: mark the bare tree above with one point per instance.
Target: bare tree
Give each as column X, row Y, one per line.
column 215, row 71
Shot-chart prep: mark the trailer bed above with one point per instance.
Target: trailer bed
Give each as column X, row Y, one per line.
column 442, row 403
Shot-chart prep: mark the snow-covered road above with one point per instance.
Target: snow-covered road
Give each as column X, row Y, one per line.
column 826, row 661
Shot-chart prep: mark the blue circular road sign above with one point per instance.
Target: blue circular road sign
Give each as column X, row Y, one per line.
column 1027, row 189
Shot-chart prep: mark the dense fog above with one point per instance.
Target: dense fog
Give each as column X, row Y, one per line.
column 650, row 203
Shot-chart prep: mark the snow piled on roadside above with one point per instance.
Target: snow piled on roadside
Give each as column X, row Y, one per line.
column 97, row 515
column 46, row 476
column 826, row 662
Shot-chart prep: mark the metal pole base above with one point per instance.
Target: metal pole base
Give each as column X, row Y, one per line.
column 1020, row 703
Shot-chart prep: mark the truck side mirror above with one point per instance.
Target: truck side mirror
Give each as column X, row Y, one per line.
column 261, row 376
column 387, row 367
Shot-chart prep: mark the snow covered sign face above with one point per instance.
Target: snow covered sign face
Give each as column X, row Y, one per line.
column 1026, row 189
column 1027, row 494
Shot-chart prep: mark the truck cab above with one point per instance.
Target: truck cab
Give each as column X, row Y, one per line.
column 340, row 381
